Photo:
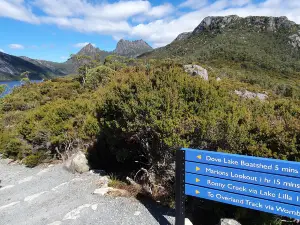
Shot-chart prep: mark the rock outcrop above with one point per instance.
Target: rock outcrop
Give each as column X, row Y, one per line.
column 295, row 40
column 251, row 95
column 132, row 48
column 214, row 23
column 183, row 36
column 258, row 23
column 196, row 70
column 228, row 222
column 77, row 163
column 91, row 51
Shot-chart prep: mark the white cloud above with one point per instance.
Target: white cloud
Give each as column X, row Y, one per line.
column 240, row 2
column 16, row 9
column 158, row 24
column 194, row 4
column 1, row 50
column 104, row 18
column 64, row 57
column 16, row 46
column 81, row 45
column 161, row 10
column 77, row 8
column 88, row 25
column 162, row 32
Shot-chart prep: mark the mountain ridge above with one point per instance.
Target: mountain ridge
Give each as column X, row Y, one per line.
column 258, row 23
column 8, row 70
column 217, row 37
column 12, row 66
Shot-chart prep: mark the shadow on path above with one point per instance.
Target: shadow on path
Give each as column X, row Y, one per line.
column 157, row 211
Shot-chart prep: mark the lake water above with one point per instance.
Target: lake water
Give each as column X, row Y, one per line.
column 11, row 84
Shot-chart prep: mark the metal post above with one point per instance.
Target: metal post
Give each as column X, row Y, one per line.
column 180, row 187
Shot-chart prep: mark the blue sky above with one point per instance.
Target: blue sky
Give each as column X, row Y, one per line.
column 54, row 29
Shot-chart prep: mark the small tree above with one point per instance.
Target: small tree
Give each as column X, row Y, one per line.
column 84, row 63
column 2, row 88
column 25, row 77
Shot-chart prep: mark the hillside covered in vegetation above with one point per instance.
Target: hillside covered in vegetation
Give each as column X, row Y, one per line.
column 256, row 50
column 2, row 89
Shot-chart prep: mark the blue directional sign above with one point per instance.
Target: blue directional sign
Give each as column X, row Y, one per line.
column 265, row 165
column 244, row 201
column 268, row 193
column 246, row 176
column 262, row 184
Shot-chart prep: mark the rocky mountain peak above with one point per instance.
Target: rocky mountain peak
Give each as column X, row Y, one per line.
column 89, row 49
column 259, row 24
column 132, row 48
column 256, row 23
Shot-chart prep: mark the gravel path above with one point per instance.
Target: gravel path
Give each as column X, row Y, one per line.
column 49, row 195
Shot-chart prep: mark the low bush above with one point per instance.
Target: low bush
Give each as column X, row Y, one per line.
column 34, row 159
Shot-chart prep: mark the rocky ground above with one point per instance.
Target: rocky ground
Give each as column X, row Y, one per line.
column 50, row 195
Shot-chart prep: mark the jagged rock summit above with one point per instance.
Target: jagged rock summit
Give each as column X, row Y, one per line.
column 89, row 50
column 93, row 52
column 259, row 23
column 132, row 48
column 220, row 24
column 123, row 48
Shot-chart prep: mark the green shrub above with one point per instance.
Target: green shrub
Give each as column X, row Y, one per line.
column 34, row 159
column 2, row 89
column 98, row 75
column 13, row 147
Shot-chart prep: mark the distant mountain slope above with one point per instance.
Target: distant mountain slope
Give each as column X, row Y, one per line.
column 11, row 68
column 132, row 48
column 58, row 69
column 253, row 42
column 88, row 50
column 123, row 48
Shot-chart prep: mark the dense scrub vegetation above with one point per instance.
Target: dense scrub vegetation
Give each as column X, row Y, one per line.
column 2, row 89
column 255, row 57
column 136, row 113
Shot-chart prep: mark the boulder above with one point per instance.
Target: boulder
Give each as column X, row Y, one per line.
column 102, row 191
column 251, row 95
column 228, row 222
column 295, row 40
column 114, row 192
column 187, row 222
column 77, row 163
column 196, row 70
column 103, row 181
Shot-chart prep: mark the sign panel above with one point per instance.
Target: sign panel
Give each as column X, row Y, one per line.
column 257, row 191
column 282, row 182
column 262, row 184
column 244, row 201
column 265, row 165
